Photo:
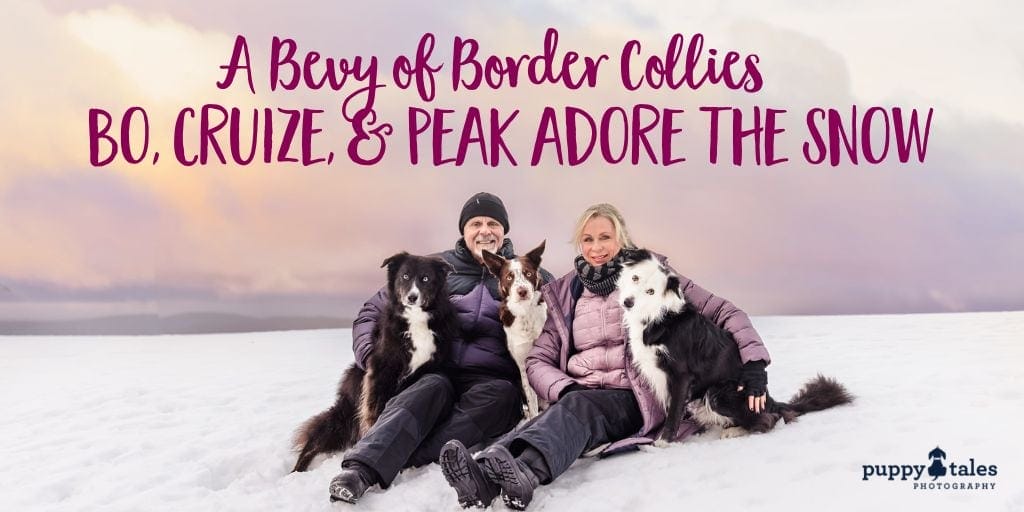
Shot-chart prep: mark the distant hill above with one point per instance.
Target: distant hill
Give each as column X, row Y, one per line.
column 185, row 323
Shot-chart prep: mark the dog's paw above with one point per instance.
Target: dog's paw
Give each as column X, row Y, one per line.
column 731, row 432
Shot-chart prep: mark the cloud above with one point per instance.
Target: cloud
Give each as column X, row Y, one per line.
column 938, row 236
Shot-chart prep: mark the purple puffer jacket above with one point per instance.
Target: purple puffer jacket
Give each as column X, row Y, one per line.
column 599, row 338
column 547, row 363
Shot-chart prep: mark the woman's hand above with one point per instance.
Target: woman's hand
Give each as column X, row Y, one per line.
column 754, row 378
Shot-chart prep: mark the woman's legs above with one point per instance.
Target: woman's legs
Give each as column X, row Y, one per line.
column 580, row 421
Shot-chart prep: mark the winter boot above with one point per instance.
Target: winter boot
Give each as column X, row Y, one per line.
column 466, row 477
column 353, row 481
column 516, row 479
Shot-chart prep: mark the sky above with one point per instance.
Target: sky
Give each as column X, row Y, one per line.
column 282, row 239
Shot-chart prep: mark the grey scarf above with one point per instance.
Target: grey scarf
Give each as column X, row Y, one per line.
column 599, row 280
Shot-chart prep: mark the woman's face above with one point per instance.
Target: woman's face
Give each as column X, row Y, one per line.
column 599, row 242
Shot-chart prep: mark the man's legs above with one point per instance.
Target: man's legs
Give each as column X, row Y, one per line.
column 406, row 420
column 485, row 409
column 542, row 449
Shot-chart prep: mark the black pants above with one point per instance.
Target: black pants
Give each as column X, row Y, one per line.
column 435, row 409
column 579, row 422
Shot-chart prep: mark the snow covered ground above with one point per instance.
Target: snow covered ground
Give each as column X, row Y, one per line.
column 189, row 423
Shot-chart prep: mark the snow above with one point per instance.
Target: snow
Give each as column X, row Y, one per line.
column 203, row 422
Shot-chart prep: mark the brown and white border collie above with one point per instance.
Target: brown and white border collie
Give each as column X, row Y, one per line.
column 523, row 312
column 412, row 336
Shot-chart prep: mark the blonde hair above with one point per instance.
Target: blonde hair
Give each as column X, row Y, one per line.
column 612, row 214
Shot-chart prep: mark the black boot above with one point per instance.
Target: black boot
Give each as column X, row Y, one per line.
column 516, row 479
column 465, row 476
column 353, row 481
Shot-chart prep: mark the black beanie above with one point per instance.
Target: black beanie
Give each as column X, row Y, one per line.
column 488, row 205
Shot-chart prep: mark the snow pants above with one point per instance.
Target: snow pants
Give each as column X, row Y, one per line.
column 435, row 409
column 579, row 422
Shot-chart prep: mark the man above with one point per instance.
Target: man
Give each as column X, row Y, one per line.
column 475, row 398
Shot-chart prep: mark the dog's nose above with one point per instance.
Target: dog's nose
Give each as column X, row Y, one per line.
column 522, row 292
column 413, row 298
column 627, row 302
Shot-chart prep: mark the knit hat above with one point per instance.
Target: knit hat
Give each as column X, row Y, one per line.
column 488, row 205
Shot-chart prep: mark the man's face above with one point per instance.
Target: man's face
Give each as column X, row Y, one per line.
column 481, row 233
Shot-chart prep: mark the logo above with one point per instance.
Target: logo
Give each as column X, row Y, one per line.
column 954, row 475
column 937, row 469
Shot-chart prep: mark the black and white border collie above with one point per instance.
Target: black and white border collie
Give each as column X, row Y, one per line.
column 411, row 337
column 523, row 312
column 692, row 365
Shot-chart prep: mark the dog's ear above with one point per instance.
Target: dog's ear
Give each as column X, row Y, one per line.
column 442, row 267
column 393, row 263
column 535, row 254
column 672, row 285
column 493, row 262
column 634, row 256
column 395, row 259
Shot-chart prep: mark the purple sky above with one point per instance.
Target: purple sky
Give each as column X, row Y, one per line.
column 945, row 235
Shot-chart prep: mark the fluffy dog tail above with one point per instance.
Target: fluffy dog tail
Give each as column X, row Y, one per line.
column 336, row 428
column 817, row 394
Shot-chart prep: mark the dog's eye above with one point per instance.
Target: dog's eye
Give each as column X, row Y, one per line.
column 508, row 277
column 425, row 279
column 405, row 277
column 529, row 274
column 636, row 279
column 650, row 291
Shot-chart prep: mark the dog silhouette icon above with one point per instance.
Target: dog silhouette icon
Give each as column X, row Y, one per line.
column 937, row 469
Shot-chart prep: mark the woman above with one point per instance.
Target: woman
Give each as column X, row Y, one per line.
column 580, row 364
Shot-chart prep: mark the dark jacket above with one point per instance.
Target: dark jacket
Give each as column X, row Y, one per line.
column 473, row 291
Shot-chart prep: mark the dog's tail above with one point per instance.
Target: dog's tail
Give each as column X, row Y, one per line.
column 817, row 394
column 336, row 428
